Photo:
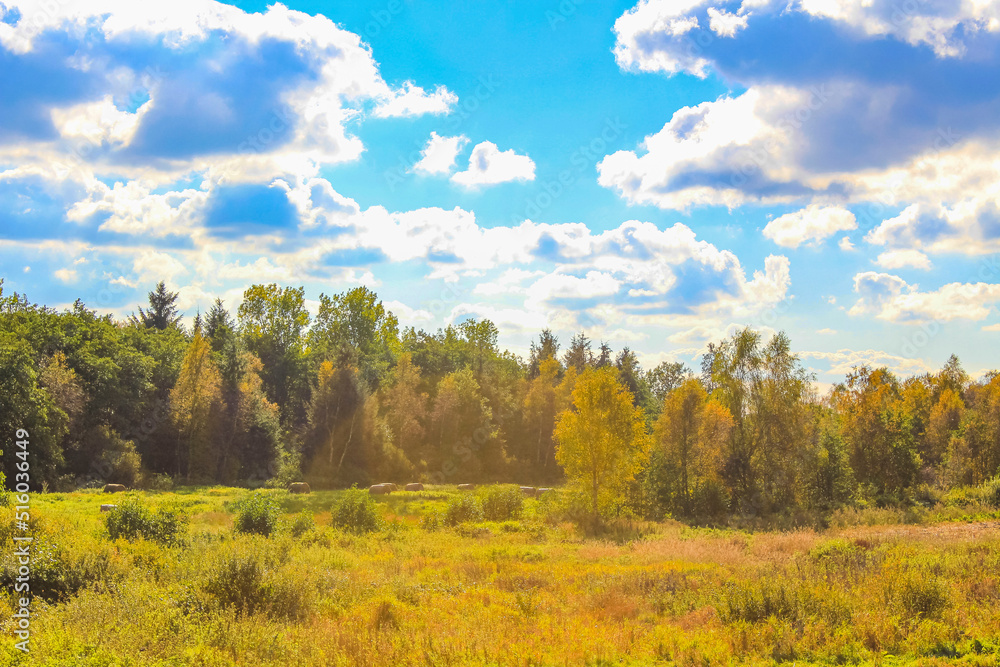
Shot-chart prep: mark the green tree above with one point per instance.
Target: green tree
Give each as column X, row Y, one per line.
column 602, row 440
column 546, row 347
column 765, row 389
column 579, row 355
column 357, row 323
column 272, row 321
column 162, row 311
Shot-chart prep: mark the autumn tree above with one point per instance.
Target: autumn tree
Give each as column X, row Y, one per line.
column 195, row 404
column 692, row 432
column 877, row 430
column 406, row 406
column 541, row 408
column 602, row 440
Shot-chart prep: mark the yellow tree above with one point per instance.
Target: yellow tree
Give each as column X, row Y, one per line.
column 195, row 402
column 602, row 440
column 540, row 406
column 405, row 405
column 692, row 432
column 945, row 418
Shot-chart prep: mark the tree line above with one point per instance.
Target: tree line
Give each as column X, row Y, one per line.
column 271, row 394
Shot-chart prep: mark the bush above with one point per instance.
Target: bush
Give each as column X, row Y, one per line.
column 303, row 523
column 502, row 502
column 132, row 520
column 244, row 585
column 357, row 512
column 463, row 509
column 257, row 514
column 56, row 572
column 158, row 482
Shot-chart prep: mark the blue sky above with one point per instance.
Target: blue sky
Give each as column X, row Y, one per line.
column 654, row 173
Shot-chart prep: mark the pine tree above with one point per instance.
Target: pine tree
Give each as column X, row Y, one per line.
column 162, row 312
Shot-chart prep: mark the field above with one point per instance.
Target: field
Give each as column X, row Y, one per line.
column 532, row 591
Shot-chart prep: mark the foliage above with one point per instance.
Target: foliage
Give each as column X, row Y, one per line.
column 501, row 502
column 464, row 509
column 257, row 513
column 356, row 512
column 132, row 519
column 602, row 442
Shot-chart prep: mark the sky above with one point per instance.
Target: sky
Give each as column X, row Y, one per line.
column 655, row 175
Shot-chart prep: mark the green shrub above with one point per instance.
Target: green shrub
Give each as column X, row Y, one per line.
column 502, row 502
column 243, row 584
column 302, row 524
column 463, row 509
column 132, row 520
column 357, row 513
column 258, row 514
column 56, row 572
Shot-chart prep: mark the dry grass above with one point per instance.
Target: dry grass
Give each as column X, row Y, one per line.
column 516, row 593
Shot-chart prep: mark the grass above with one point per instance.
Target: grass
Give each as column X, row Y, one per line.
column 525, row 591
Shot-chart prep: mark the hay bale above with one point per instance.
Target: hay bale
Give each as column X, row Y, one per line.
column 379, row 490
column 108, row 508
column 390, row 485
column 466, row 487
column 415, row 486
column 114, row 488
column 299, row 487
column 529, row 491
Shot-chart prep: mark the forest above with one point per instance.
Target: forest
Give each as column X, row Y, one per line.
column 273, row 395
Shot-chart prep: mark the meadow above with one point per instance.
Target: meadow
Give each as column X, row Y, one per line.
column 433, row 585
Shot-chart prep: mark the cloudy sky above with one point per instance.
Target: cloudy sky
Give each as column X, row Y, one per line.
column 654, row 174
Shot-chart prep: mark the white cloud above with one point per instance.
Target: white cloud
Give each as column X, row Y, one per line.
column 826, row 331
column 438, row 156
column 725, row 24
column 66, row 275
column 810, row 225
column 844, row 361
column 406, row 314
column 412, row 100
column 991, row 328
column 901, row 259
column 891, row 298
column 845, row 244
column 489, row 166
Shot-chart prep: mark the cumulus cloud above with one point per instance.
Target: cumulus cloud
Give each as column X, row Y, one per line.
column 412, row 100
column 154, row 94
column 894, row 126
column 901, row 259
column 891, row 298
column 809, row 225
column 66, row 275
column 842, row 362
column 440, row 153
column 488, row 165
